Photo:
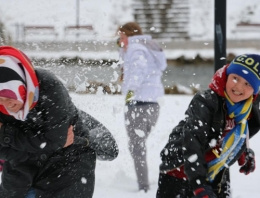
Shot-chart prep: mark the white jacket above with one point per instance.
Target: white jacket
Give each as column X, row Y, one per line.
column 144, row 63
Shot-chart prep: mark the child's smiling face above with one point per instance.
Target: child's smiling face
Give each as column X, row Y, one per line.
column 11, row 105
column 237, row 88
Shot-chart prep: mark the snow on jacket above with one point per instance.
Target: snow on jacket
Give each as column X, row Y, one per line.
column 44, row 132
column 144, row 63
column 204, row 121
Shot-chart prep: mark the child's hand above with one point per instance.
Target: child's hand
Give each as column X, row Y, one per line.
column 70, row 137
column 247, row 162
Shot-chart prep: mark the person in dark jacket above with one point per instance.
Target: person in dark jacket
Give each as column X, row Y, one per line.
column 48, row 144
column 214, row 134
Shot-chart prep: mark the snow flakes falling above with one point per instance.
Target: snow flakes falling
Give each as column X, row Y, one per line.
column 198, row 181
column 193, row 158
column 139, row 132
column 43, row 145
column 115, row 76
column 244, row 71
column 200, row 123
column 226, row 165
column 244, row 121
column 152, row 28
column 83, row 180
column 213, row 143
column 127, row 122
column 114, row 65
column 133, row 115
column 166, row 152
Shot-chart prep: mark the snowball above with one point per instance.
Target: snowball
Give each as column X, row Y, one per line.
column 83, row 180
column 213, row 143
column 43, row 145
column 193, row 158
column 139, row 132
column 244, row 71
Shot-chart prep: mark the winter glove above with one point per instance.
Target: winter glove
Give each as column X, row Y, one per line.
column 129, row 96
column 118, row 42
column 247, row 161
column 204, row 191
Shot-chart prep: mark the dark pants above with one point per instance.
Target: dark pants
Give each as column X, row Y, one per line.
column 172, row 187
column 140, row 119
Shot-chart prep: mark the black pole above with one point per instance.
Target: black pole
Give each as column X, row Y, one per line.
column 220, row 34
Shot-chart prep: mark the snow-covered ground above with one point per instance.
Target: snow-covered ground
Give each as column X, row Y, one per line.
column 116, row 179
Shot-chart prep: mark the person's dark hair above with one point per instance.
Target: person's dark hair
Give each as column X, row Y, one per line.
column 130, row 29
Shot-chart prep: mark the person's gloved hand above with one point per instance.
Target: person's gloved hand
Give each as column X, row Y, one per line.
column 204, row 191
column 247, row 161
column 118, row 42
column 129, row 96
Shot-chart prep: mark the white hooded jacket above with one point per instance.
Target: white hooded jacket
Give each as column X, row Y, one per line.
column 144, row 63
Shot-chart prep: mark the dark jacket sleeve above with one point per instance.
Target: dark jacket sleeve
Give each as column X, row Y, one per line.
column 196, row 132
column 172, row 155
column 46, row 127
column 99, row 137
